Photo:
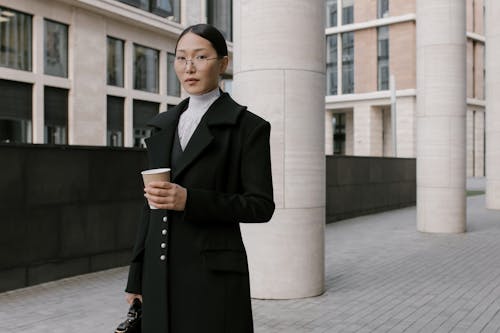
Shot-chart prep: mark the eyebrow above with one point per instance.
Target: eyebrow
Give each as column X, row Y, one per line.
column 200, row 49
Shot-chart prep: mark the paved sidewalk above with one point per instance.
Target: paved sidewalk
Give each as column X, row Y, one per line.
column 381, row 276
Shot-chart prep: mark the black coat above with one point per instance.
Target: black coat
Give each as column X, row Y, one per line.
column 203, row 285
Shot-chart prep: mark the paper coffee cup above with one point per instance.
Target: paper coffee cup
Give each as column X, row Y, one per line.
column 148, row 176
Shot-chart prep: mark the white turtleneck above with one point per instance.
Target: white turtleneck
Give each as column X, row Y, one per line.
column 189, row 119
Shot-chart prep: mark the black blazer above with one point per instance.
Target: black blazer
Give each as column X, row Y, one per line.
column 203, row 286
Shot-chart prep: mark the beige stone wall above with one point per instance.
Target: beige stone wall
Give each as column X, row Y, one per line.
column 479, row 70
column 401, row 7
column 365, row 10
column 365, row 60
column 402, row 54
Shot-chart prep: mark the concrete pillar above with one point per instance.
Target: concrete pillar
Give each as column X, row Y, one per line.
column 349, row 133
column 492, row 104
column 87, row 116
column 368, row 126
column 441, row 111
column 279, row 72
column 329, row 133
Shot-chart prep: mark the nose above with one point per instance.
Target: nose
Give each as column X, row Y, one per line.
column 189, row 67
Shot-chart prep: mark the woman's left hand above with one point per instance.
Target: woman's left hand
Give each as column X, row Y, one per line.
column 166, row 195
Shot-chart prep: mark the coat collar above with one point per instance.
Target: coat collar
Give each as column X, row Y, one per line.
column 224, row 111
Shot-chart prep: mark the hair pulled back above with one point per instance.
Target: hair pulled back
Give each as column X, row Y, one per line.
column 210, row 33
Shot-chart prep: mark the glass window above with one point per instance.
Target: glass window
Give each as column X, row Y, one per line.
column 347, row 11
column 339, row 134
column 331, row 65
column 173, row 84
column 115, row 121
column 143, row 112
column 15, row 111
column 15, row 39
column 167, row 8
column 383, row 58
column 382, row 8
column 220, row 15
column 115, row 62
column 348, row 63
column 56, row 115
column 146, row 68
column 56, row 49
column 331, row 13
column 164, row 8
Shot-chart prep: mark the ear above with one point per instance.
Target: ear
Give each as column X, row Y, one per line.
column 223, row 65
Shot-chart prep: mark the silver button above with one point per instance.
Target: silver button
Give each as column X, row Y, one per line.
column 162, row 257
column 164, row 232
column 164, row 219
column 163, row 245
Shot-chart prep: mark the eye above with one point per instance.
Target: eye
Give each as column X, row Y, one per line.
column 180, row 58
column 201, row 57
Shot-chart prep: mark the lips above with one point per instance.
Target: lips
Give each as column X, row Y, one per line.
column 191, row 80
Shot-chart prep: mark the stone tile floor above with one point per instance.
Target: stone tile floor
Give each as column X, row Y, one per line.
column 381, row 276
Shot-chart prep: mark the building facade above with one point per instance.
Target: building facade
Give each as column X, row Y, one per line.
column 370, row 41
column 93, row 72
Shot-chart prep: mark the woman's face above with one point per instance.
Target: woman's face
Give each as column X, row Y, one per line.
column 197, row 65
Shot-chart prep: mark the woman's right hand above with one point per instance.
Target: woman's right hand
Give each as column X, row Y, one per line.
column 130, row 297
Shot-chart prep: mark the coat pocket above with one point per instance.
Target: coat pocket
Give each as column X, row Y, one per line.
column 225, row 261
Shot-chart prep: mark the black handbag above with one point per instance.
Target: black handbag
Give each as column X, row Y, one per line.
column 133, row 322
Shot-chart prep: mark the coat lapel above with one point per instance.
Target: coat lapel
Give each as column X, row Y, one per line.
column 224, row 111
column 160, row 144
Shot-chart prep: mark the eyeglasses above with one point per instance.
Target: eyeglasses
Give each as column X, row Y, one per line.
column 198, row 61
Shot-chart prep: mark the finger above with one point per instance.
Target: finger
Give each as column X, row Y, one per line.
column 160, row 184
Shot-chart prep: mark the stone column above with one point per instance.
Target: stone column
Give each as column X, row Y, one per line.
column 329, row 133
column 368, row 127
column 87, row 116
column 279, row 72
column 492, row 104
column 441, row 114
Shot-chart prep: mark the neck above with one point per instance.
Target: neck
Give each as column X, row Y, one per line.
column 200, row 100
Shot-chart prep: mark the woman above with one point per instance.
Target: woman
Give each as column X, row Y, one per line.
column 189, row 263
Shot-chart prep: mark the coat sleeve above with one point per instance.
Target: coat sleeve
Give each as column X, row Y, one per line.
column 255, row 202
column 134, row 283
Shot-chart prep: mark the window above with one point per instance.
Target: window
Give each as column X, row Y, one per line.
column 220, row 15
column 348, row 63
column 164, row 8
column 173, row 84
column 146, row 68
column 339, row 134
column 383, row 58
column 382, row 8
column 115, row 62
column 56, row 49
column 15, row 39
column 15, row 111
column 56, row 115
column 347, row 11
column 143, row 112
column 331, row 13
column 331, row 65
column 115, row 121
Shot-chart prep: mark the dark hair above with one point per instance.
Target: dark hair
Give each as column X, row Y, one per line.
column 210, row 33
